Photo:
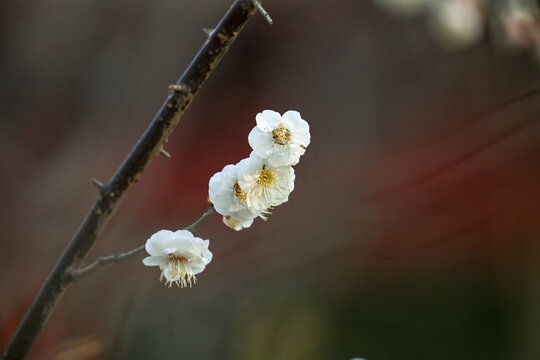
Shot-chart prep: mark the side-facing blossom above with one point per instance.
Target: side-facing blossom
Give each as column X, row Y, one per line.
column 280, row 139
column 229, row 200
column 265, row 185
column 179, row 255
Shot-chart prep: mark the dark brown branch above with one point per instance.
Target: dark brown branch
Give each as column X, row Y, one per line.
column 111, row 194
column 104, row 261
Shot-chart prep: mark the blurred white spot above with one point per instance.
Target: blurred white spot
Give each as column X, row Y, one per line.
column 457, row 24
column 516, row 24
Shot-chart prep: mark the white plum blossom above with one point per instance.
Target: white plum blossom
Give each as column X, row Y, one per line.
column 229, row 200
column 280, row 139
column 179, row 255
column 264, row 185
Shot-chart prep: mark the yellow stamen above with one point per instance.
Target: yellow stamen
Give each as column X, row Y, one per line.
column 178, row 271
column 265, row 178
column 281, row 135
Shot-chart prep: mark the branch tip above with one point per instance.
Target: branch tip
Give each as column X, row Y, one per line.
column 263, row 12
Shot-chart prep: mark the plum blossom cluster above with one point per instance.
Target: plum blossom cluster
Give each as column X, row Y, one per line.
column 239, row 192
column 264, row 180
column 459, row 24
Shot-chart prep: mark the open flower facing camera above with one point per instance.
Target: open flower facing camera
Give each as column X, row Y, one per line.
column 281, row 140
column 265, row 185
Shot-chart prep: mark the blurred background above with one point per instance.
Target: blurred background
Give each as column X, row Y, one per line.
column 414, row 228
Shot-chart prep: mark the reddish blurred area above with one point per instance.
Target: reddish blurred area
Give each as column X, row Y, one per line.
column 413, row 206
column 473, row 190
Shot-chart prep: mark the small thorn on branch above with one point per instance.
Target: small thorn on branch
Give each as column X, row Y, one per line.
column 98, row 184
column 208, row 31
column 165, row 153
column 263, row 12
column 179, row 88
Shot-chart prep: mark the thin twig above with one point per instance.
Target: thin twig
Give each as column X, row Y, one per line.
column 112, row 194
column 211, row 211
column 104, row 261
column 263, row 12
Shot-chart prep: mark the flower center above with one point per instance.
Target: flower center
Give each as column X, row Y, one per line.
column 281, row 135
column 240, row 196
column 265, row 178
column 178, row 271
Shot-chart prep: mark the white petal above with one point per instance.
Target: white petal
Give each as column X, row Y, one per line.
column 292, row 116
column 215, row 186
column 197, row 266
column 286, row 176
column 154, row 261
column 168, row 251
column 286, row 157
column 222, row 181
column 268, row 120
column 157, row 242
column 206, row 255
column 182, row 244
column 247, row 171
column 245, row 213
column 260, row 201
column 261, row 142
column 222, row 204
column 299, row 128
column 228, row 176
column 201, row 243
column 221, row 189
column 301, row 138
column 237, row 224
column 296, row 122
column 184, row 234
column 247, row 223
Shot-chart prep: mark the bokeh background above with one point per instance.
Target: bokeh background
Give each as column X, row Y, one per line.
column 413, row 231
